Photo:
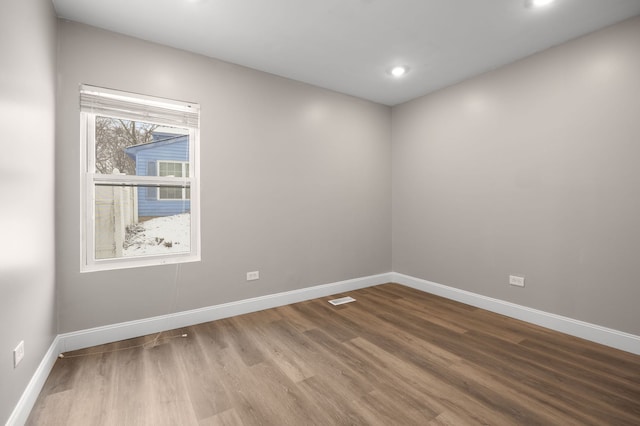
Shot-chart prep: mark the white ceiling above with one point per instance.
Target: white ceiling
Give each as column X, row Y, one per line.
column 349, row 45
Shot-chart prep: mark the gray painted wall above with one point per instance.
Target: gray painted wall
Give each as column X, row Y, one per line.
column 27, row 115
column 296, row 182
column 529, row 169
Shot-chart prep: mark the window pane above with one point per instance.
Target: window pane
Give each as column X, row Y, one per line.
column 136, row 148
column 171, row 193
column 166, row 168
column 175, row 169
column 128, row 223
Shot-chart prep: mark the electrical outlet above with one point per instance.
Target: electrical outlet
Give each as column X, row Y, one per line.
column 516, row 280
column 18, row 354
column 252, row 276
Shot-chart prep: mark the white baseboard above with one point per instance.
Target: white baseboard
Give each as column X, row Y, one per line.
column 595, row 333
column 127, row 330
column 23, row 408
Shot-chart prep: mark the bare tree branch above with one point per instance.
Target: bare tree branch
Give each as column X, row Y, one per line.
column 113, row 136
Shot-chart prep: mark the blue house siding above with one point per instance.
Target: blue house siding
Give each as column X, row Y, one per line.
column 147, row 156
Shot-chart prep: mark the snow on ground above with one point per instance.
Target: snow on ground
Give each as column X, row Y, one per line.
column 162, row 235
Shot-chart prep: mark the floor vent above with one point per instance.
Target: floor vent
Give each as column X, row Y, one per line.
column 342, row 301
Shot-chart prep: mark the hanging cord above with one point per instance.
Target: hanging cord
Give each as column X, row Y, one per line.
column 172, row 305
column 142, row 345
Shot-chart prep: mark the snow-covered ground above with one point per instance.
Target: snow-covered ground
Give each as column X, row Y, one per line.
column 163, row 235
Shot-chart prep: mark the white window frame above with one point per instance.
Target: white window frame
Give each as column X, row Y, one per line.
column 96, row 101
column 184, row 190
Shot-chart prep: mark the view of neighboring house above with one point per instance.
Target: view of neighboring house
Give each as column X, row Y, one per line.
column 167, row 155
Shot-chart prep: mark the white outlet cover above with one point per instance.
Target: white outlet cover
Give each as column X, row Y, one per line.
column 516, row 280
column 254, row 275
column 18, row 354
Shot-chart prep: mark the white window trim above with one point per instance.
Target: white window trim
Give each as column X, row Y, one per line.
column 89, row 180
column 184, row 191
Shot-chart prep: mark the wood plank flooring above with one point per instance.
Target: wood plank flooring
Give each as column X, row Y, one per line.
column 396, row 356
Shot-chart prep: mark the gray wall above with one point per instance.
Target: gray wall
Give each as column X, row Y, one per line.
column 529, row 169
column 27, row 115
column 296, row 182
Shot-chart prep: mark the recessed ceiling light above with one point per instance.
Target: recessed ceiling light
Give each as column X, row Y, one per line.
column 538, row 3
column 399, row 71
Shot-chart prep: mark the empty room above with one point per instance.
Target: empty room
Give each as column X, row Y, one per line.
column 375, row 212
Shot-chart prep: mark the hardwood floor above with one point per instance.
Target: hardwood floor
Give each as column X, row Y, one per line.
column 396, row 356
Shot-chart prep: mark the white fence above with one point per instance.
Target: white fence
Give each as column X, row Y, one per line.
column 116, row 208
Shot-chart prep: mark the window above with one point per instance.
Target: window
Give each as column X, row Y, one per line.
column 140, row 169
column 177, row 169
